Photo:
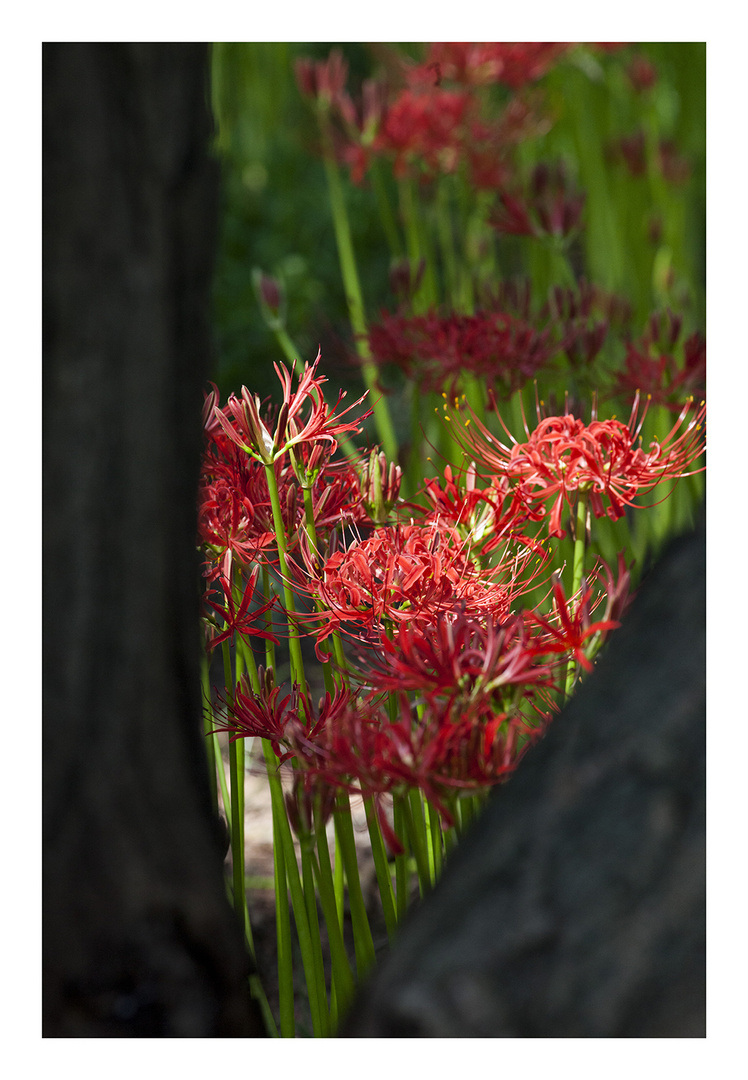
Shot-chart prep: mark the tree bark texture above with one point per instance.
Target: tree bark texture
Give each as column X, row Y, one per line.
column 138, row 935
column 576, row 907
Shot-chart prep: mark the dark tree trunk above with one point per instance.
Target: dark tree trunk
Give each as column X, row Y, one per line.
column 577, row 905
column 138, row 935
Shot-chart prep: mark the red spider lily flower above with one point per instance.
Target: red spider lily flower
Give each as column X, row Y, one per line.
column 424, row 128
column 651, row 365
column 303, row 418
column 661, row 377
column 235, row 515
column 479, row 514
column 437, row 350
column 513, row 63
column 641, row 73
column 476, row 753
column 323, row 80
column 572, row 628
column 564, row 456
column 239, row 620
column 551, row 206
column 406, row 574
column 368, row 753
column 291, row 723
column 227, row 527
column 675, row 168
column 632, row 151
column 458, row 658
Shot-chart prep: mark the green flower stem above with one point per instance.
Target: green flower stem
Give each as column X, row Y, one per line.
column 462, row 816
column 363, row 942
column 385, row 211
column 283, row 936
column 257, row 990
column 401, row 862
column 294, row 641
column 327, row 671
column 284, row 840
column 446, row 241
column 334, row 896
column 214, row 752
column 427, row 295
column 210, row 741
column 354, row 296
column 269, row 643
column 339, row 879
column 236, row 777
column 225, row 796
column 342, row 975
column 580, row 531
column 414, row 823
column 435, row 840
column 310, row 901
column 381, row 866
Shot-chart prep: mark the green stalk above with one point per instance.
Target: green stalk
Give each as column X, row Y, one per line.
column 341, row 969
column 294, row 641
column 435, row 842
column 284, row 840
column 580, row 531
column 269, row 643
column 446, row 241
column 310, row 900
column 401, row 861
column 327, row 671
column 354, row 296
column 210, row 740
column 339, row 879
column 283, row 936
column 215, row 751
column 413, row 815
column 364, row 944
column 427, row 294
column 236, row 776
column 385, row 211
column 381, row 866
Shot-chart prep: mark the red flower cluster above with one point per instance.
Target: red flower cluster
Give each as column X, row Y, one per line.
column 513, row 63
column 437, row 350
column 409, row 574
column 235, row 517
column 450, row 678
column 424, row 127
column 602, row 460
column 659, row 365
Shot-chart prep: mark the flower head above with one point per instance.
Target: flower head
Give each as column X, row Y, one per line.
column 552, row 206
column 241, row 619
column 303, row 418
column 603, row 460
column 424, row 128
column 437, row 350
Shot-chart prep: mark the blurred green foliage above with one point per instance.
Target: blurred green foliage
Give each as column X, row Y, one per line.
column 276, row 216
